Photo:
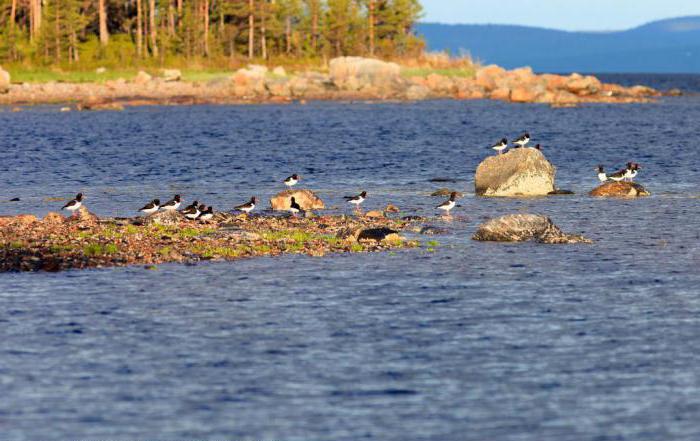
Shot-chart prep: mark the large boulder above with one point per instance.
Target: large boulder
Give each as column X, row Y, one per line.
column 524, row 227
column 355, row 73
column 4, row 80
column 172, row 75
column 142, row 78
column 619, row 189
column 519, row 172
column 250, row 81
column 306, row 199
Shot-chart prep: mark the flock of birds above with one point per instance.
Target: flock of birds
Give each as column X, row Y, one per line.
column 202, row 212
column 626, row 174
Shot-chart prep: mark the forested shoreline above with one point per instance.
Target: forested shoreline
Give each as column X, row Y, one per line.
column 88, row 33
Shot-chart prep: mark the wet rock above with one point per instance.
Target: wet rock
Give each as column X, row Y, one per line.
column 445, row 192
column 560, row 192
column 524, row 227
column 307, row 199
column 4, row 80
column 14, row 200
column 168, row 218
column 355, row 73
column 101, row 105
column 391, row 208
column 619, row 189
column 430, row 230
column 413, row 218
column 519, row 172
column 674, row 92
column 374, row 234
column 170, row 75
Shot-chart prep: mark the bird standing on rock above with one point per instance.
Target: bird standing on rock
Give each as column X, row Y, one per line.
column 357, row 200
column 192, row 211
column 206, row 214
column 602, row 176
column 172, row 204
column 74, row 204
column 522, row 140
column 500, row 146
column 151, row 207
column 248, row 206
column 291, row 181
column 294, row 207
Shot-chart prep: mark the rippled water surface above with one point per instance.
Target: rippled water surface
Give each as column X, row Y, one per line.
column 471, row 341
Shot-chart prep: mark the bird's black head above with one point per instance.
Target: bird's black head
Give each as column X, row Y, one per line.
column 156, row 201
column 177, row 198
column 538, row 147
column 504, row 141
column 637, row 166
column 195, row 203
column 295, row 176
column 202, row 207
column 293, row 201
column 254, row 200
column 363, row 194
column 629, row 165
column 79, row 197
column 601, row 169
column 526, row 135
column 453, row 195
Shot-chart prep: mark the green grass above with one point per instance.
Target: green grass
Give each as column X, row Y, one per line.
column 20, row 74
column 409, row 72
column 96, row 249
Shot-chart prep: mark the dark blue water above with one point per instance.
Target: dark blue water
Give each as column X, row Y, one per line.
column 471, row 341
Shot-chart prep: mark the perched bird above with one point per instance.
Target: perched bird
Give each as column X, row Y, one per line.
column 75, row 203
column 248, row 206
column 357, row 200
column 500, row 145
column 151, row 207
column 618, row 175
column 522, row 140
column 291, row 181
column 294, row 207
column 448, row 204
column 172, row 204
column 601, row 174
column 191, row 211
column 632, row 170
column 538, row 147
column 206, row 214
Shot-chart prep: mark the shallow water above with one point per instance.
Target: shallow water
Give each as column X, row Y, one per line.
column 471, row 341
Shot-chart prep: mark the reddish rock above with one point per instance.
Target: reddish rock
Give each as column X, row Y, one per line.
column 307, row 199
column 502, row 93
column 554, row 82
column 523, row 95
column 579, row 85
column 619, row 189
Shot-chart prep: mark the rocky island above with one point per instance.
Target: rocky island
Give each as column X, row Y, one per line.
column 344, row 78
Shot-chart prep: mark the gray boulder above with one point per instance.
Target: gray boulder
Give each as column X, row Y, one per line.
column 524, row 227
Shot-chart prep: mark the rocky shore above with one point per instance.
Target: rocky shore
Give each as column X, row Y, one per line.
column 346, row 78
column 57, row 243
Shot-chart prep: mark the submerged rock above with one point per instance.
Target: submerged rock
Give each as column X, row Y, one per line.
column 524, row 227
column 519, row 172
column 374, row 234
column 445, row 192
column 430, row 230
column 306, row 199
column 619, row 189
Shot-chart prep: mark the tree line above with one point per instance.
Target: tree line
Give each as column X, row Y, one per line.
column 159, row 31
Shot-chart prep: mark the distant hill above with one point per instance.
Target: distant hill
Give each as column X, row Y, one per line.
column 665, row 46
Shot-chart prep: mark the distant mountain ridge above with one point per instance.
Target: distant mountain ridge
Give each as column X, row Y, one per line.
column 664, row 46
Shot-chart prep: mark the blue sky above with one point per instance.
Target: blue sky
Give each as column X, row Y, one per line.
column 593, row 15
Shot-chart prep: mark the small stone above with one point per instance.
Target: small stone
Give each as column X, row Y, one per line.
column 374, row 214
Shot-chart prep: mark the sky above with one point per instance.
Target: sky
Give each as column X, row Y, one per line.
column 579, row 15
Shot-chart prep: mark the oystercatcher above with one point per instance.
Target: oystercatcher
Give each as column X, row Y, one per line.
column 291, row 181
column 522, row 140
column 74, row 204
column 500, row 146
column 151, row 207
column 357, row 200
column 248, row 206
column 172, row 204
column 448, row 204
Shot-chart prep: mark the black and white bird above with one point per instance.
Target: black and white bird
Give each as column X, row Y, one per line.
column 632, row 170
column 294, row 207
column 192, row 210
column 172, row 204
column 522, row 140
column 500, row 145
column 74, row 204
column 448, row 204
column 248, row 206
column 602, row 176
column 206, row 214
column 618, row 175
column 357, row 200
column 151, row 207
column 291, row 181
